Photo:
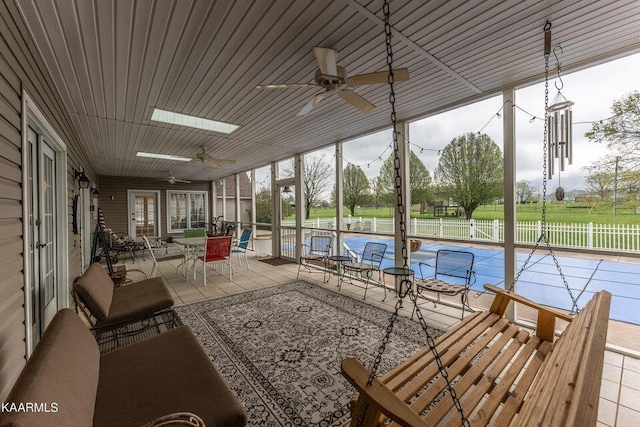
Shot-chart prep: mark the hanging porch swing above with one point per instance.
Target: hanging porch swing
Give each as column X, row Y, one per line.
column 495, row 372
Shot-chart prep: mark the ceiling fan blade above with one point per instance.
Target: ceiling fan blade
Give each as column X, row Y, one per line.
column 399, row 75
column 327, row 60
column 184, row 181
column 309, row 106
column 357, row 101
column 222, row 161
column 286, row 86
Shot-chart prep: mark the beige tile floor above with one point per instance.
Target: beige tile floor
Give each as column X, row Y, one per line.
column 620, row 392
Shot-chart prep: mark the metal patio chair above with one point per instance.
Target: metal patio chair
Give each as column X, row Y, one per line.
column 317, row 253
column 364, row 268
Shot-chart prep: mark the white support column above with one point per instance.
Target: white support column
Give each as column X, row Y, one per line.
column 275, row 212
column 339, row 197
column 509, row 148
column 214, row 200
column 298, row 160
column 253, row 206
column 224, row 199
column 404, row 154
column 238, row 218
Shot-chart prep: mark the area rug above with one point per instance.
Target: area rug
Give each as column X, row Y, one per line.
column 280, row 349
column 277, row 261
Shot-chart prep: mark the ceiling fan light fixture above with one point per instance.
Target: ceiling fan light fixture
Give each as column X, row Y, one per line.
column 162, row 156
column 192, row 121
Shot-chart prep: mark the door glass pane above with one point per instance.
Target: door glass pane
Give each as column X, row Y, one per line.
column 33, row 203
column 48, row 230
column 145, row 215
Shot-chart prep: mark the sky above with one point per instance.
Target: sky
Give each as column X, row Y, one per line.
column 593, row 91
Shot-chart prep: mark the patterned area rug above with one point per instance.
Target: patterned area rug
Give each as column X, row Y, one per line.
column 280, row 349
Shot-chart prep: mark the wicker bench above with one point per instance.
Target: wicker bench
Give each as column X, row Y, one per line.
column 502, row 374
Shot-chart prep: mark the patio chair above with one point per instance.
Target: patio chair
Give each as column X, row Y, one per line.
column 240, row 247
column 154, row 270
column 316, row 253
column 119, row 244
column 452, row 275
column 194, row 232
column 217, row 249
column 364, row 268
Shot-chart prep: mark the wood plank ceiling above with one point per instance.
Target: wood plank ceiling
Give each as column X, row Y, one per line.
column 114, row 60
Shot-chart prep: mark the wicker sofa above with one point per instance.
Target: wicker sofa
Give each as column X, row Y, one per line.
column 132, row 386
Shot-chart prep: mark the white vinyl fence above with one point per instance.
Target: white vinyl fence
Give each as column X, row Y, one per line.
column 608, row 237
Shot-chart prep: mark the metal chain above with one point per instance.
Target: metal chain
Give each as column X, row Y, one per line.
column 544, row 235
column 406, row 287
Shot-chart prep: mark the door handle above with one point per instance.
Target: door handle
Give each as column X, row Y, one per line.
column 40, row 245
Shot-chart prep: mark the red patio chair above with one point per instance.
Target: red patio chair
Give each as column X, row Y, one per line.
column 217, row 249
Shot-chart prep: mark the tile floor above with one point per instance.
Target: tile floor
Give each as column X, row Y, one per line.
column 620, row 392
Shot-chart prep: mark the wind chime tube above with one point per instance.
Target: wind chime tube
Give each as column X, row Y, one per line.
column 557, row 131
column 549, row 147
column 562, row 141
column 569, row 137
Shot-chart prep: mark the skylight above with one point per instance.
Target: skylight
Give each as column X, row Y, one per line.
column 163, row 156
column 191, row 121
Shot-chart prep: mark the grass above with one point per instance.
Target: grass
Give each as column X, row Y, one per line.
column 568, row 213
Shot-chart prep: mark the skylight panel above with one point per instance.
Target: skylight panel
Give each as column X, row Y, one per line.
column 163, row 156
column 191, row 121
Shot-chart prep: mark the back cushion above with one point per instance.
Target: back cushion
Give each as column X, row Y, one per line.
column 95, row 289
column 59, row 383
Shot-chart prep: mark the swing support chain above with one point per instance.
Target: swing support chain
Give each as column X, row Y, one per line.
column 544, row 233
column 406, row 287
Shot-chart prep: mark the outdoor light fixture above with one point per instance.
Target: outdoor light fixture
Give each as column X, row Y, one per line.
column 559, row 119
column 94, row 192
column 286, row 189
column 81, row 177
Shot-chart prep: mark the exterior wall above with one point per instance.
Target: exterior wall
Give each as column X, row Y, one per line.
column 245, row 208
column 21, row 67
column 113, row 199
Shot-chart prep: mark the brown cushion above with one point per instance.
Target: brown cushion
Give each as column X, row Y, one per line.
column 63, row 370
column 168, row 373
column 138, row 299
column 95, row 289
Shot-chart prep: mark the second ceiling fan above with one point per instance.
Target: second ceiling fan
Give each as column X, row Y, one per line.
column 335, row 80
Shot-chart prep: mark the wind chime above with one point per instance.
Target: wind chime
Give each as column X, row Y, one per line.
column 559, row 122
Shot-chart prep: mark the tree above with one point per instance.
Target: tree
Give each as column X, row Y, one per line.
column 524, row 191
column 419, row 178
column 622, row 131
column 471, row 171
column 599, row 179
column 355, row 188
column 317, row 174
column 263, row 206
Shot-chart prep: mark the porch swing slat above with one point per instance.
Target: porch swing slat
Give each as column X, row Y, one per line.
column 522, row 378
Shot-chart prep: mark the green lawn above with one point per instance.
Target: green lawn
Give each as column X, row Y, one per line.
column 601, row 213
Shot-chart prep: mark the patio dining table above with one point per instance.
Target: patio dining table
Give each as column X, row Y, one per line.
column 192, row 246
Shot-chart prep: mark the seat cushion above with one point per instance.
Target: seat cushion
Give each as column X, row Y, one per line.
column 62, row 371
column 437, row 285
column 95, row 289
column 168, row 373
column 139, row 299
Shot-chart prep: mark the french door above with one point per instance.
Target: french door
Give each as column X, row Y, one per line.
column 43, row 246
column 144, row 213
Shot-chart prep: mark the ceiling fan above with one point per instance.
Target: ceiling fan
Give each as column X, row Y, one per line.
column 214, row 162
column 172, row 179
column 334, row 79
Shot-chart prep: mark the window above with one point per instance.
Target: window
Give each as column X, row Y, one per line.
column 187, row 209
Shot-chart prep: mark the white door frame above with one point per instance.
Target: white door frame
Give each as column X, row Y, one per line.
column 84, row 214
column 131, row 208
column 33, row 117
